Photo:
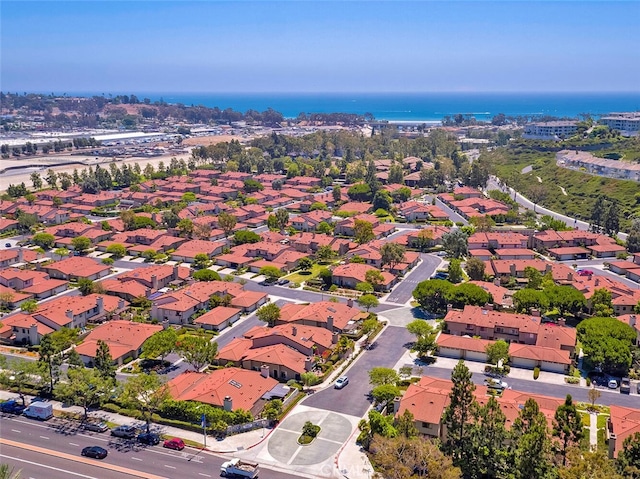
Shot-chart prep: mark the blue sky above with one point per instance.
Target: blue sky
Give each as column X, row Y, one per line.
column 306, row 46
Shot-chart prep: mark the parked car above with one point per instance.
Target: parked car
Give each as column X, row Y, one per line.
column 283, row 281
column 612, row 384
column 638, row 388
column 7, row 245
column 341, row 382
column 495, row 384
column 440, row 275
column 127, row 432
column 625, row 386
column 584, row 272
column 12, row 407
column 174, row 443
column 149, row 438
column 95, row 426
column 96, row 452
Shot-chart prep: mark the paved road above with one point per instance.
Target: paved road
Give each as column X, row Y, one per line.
column 404, row 290
column 578, row 393
column 453, row 216
column 62, row 436
column 493, row 184
column 353, row 399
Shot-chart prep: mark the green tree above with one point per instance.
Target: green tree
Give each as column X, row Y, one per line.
column 44, row 240
column 601, row 302
column 392, row 254
column 455, row 271
column 272, row 410
column 534, row 277
column 385, row 393
column 200, row 261
column 396, row 174
column 145, row 393
column 84, row 387
column 227, row 222
column 50, row 357
column 381, row 375
column 206, row 275
column 160, row 344
column 26, row 221
column 325, row 229
column 269, row 313
column 128, row 218
column 468, row 293
column 531, row 452
column 85, row 286
column 364, row 287
column 116, row 250
column 326, row 276
column 360, row 192
column 36, row 180
column 251, row 186
column 309, row 379
column 591, row 465
column 103, row 362
column 567, row 427
column 61, row 252
column 324, row 253
column 198, row 351
column 185, row 227
column 459, row 418
column 368, row 301
column 246, row 237
column 29, row 306
column 382, row 200
column 455, row 243
column 81, row 244
column 336, row 193
column 362, row 231
column 19, row 374
column 305, row 264
column 475, row 268
column 405, row 424
column 425, row 336
column 8, row 472
column 607, row 343
column 498, row 351
column 432, row 294
column 271, row 272
column 566, row 299
column 526, row 299
column 489, row 442
column 629, row 457
column 374, row 278
column 282, row 218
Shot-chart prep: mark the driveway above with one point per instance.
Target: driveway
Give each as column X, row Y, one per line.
column 403, row 292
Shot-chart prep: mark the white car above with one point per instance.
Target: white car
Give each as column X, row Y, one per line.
column 341, row 382
column 495, row 384
column 612, row 384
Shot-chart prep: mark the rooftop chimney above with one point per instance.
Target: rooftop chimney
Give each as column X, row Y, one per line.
column 294, row 330
column 632, row 320
column 570, row 277
column 496, row 281
column 330, row 323
column 100, row 304
column 335, row 337
column 120, row 304
column 20, row 256
column 228, row 403
column 512, row 270
column 350, row 303
column 547, row 269
column 308, row 363
column 154, row 281
column 264, row 371
column 596, row 282
column 176, row 274
column 69, row 314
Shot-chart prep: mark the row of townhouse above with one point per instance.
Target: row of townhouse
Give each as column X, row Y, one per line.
column 474, row 206
column 585, row 161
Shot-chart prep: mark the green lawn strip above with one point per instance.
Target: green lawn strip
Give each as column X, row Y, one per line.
column 302, row 276
column 602, row 420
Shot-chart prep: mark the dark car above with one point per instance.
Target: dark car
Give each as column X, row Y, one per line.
column 440, row 275
column 95, row 426
column 7, row 245
column 149, row 438
column 12, row 407
column 127, row 432
column 96, row 452
column 174, row 443
column 283, row 281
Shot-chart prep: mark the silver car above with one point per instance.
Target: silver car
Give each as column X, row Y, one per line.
column 341, row 382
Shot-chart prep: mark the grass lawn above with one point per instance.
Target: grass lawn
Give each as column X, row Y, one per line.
column 301, row 276
column 602, row 420
column 586, row 419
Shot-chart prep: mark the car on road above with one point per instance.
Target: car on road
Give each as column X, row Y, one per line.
column 612, row 384
column 440, row 275
column 174, row 443
column 149, row 438
column 7, row 245
column 625, row 386
column 95, row 426
column 268, row 282
column 12, row 407
column 283, row 281
column 584, row 272
column 127, row 432
column 341, row 382
column 495, row 384
column 96, row 452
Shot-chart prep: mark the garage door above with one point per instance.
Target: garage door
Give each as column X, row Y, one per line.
column 552, row 367
column 523, row 363
column 449, row 352
column 477, row 356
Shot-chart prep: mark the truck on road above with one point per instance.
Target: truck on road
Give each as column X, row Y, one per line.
column 237, row 468
column 39, row 410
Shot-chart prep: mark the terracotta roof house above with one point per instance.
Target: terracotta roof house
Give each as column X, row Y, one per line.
column 156, row 276
column 310, row 221
column 249, row 301
column 7, row 225
column 349, row 275
column 124, row 338
column 565, row 253
column 502, row 297
column 13, row 256
column 308, row 340
column 13, row 298
column 23, row 329
column 345, row 227
column 35, row 283
column 497, row 240
column 218, row 318
column 432, row 235
column 76, row 267
column 555, row 239
column 462, row 347
column 127, row 290
column 187, row 252
column 623, row 422
column 336, row 317
column 547, row 359
column 228, row 388
column 284, row 363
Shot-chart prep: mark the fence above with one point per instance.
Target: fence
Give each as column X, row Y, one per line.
column 250, row 426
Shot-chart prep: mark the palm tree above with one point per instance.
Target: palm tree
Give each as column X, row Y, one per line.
column 8, row 472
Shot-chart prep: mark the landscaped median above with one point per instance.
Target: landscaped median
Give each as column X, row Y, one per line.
column 309, row 432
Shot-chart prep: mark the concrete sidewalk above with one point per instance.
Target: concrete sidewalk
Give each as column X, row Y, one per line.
column 229, row 444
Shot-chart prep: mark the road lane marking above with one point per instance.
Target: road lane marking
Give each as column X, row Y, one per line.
column 44, row 437
column 136, row 459
column 170, row 467
column 71, row 457
column 48, row 467
column 15, row 430
column 74, row 444
column 203, row 474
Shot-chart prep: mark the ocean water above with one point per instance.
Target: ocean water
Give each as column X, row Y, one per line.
column 414, row 106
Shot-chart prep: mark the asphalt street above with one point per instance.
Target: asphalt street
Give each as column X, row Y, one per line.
column 404, row 290
column 63, row 436
column 354, row 398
